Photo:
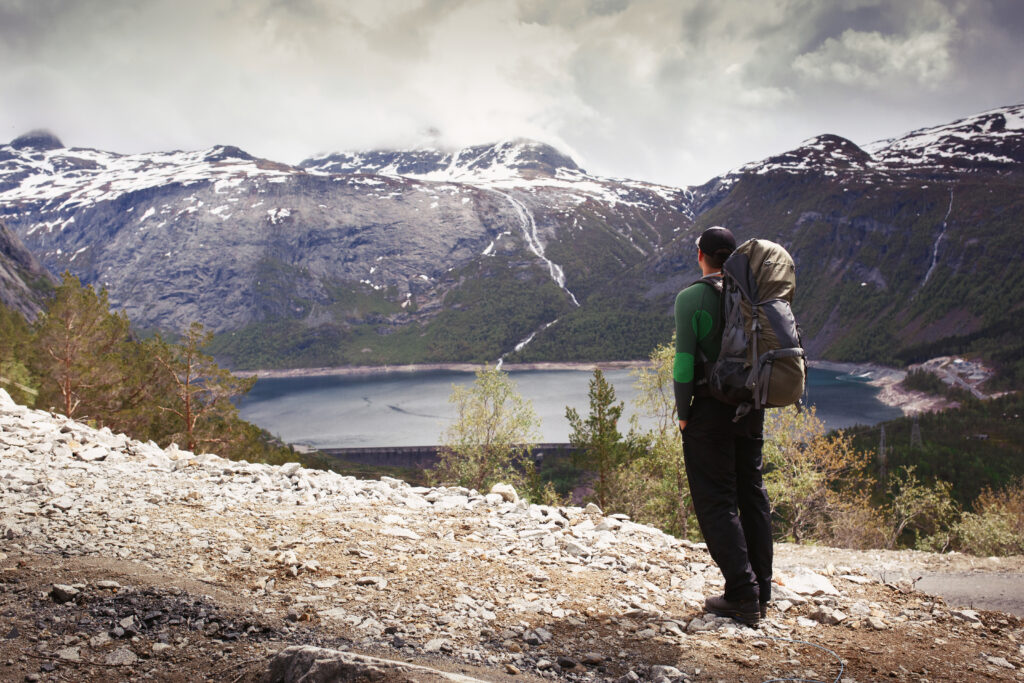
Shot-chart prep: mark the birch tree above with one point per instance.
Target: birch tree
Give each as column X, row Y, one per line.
column 492, row 437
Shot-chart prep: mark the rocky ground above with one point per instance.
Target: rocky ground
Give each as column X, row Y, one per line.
column 122, row 561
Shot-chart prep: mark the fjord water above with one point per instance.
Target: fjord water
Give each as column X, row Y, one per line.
column 412, row 409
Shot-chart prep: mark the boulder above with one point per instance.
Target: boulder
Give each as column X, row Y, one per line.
column 319, row 665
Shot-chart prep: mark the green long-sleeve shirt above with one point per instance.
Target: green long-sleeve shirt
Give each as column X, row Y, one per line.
column 698, row 325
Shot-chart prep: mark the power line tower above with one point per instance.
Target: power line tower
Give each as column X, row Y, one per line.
column 915, row 434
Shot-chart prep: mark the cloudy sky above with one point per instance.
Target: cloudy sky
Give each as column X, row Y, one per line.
column 674, row 91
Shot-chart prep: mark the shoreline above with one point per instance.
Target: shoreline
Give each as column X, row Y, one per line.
column 382, row 370
column 886, row 378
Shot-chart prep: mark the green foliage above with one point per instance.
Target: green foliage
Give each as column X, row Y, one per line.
column 492, row 437
column 489, row 308
column 79, row 346
column 602, row 330
column 642, row 474
column 816, row 481
column 928, row 382
column 996, row 527
column 654, row 486
column 597, row 440
column 86, row 361
column 976, row 446
column 15, row 346
column 994, row 533
column 922, row 512
column 202, row 391
column 924, row 381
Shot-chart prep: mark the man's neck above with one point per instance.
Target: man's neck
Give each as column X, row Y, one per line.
column 711, row 273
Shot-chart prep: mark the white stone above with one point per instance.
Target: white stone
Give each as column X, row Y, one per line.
column 809, row 583
column 122, row 656
column 506, row 491
column 968, row 615
column 436, row 645
column 1000, row 661
column 69, row 654
column 451, row 503
column 93, row 454
column 401, row 532
column 663, row 670
column 290, row 468
column 858, row 579
column 575, row 549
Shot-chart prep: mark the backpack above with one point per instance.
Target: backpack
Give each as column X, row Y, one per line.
column 762, row 363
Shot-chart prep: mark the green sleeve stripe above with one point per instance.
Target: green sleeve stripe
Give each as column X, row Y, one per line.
column 682, row 368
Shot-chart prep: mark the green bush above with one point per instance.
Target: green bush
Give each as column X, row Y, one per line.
column 996, row 527
column 995, row 532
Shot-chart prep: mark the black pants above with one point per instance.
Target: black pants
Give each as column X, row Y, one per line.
column 723, row 465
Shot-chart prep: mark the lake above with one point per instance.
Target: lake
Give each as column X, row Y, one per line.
column 412, row 409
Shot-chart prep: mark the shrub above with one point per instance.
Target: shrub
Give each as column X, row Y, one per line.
column 815, row 481
column 996, row 527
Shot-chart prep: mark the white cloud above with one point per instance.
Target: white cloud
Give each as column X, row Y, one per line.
column 874, row 60
column 671, row 90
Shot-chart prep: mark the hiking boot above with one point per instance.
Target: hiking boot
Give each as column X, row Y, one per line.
column 763, row 608
column 747, row 611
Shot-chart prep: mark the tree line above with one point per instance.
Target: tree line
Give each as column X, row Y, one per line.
column 82, row 360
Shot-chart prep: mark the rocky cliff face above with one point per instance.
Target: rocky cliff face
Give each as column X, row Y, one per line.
column 24, row 281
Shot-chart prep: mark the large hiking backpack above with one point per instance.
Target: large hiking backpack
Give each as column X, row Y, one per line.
column 762, row 363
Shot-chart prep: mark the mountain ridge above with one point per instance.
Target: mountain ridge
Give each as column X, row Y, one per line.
column 431, row 255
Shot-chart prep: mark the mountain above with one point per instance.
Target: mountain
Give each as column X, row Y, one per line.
column 24, row 282
column 524, row 158
column 905, row 249
column 341, row 259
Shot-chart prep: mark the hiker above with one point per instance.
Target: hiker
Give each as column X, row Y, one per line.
column 722, row 455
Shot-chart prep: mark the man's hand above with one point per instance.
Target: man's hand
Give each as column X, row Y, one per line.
column 682, row 425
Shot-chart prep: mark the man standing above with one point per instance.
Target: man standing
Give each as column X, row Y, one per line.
column 722, row 456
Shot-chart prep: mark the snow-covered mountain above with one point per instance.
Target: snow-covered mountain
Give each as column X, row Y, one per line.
column 508, row 165
column 423, row 255
column 346, row 244
column 990, row 141
column 896, row 242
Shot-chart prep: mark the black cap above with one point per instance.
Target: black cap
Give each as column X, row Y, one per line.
column 717, row 241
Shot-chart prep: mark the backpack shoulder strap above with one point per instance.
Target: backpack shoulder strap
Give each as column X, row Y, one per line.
column 711, row 280
column 716, row 284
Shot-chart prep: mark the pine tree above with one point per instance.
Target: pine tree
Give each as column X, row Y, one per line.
column 79, row 344
column 202, row 390
column 597, row 441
